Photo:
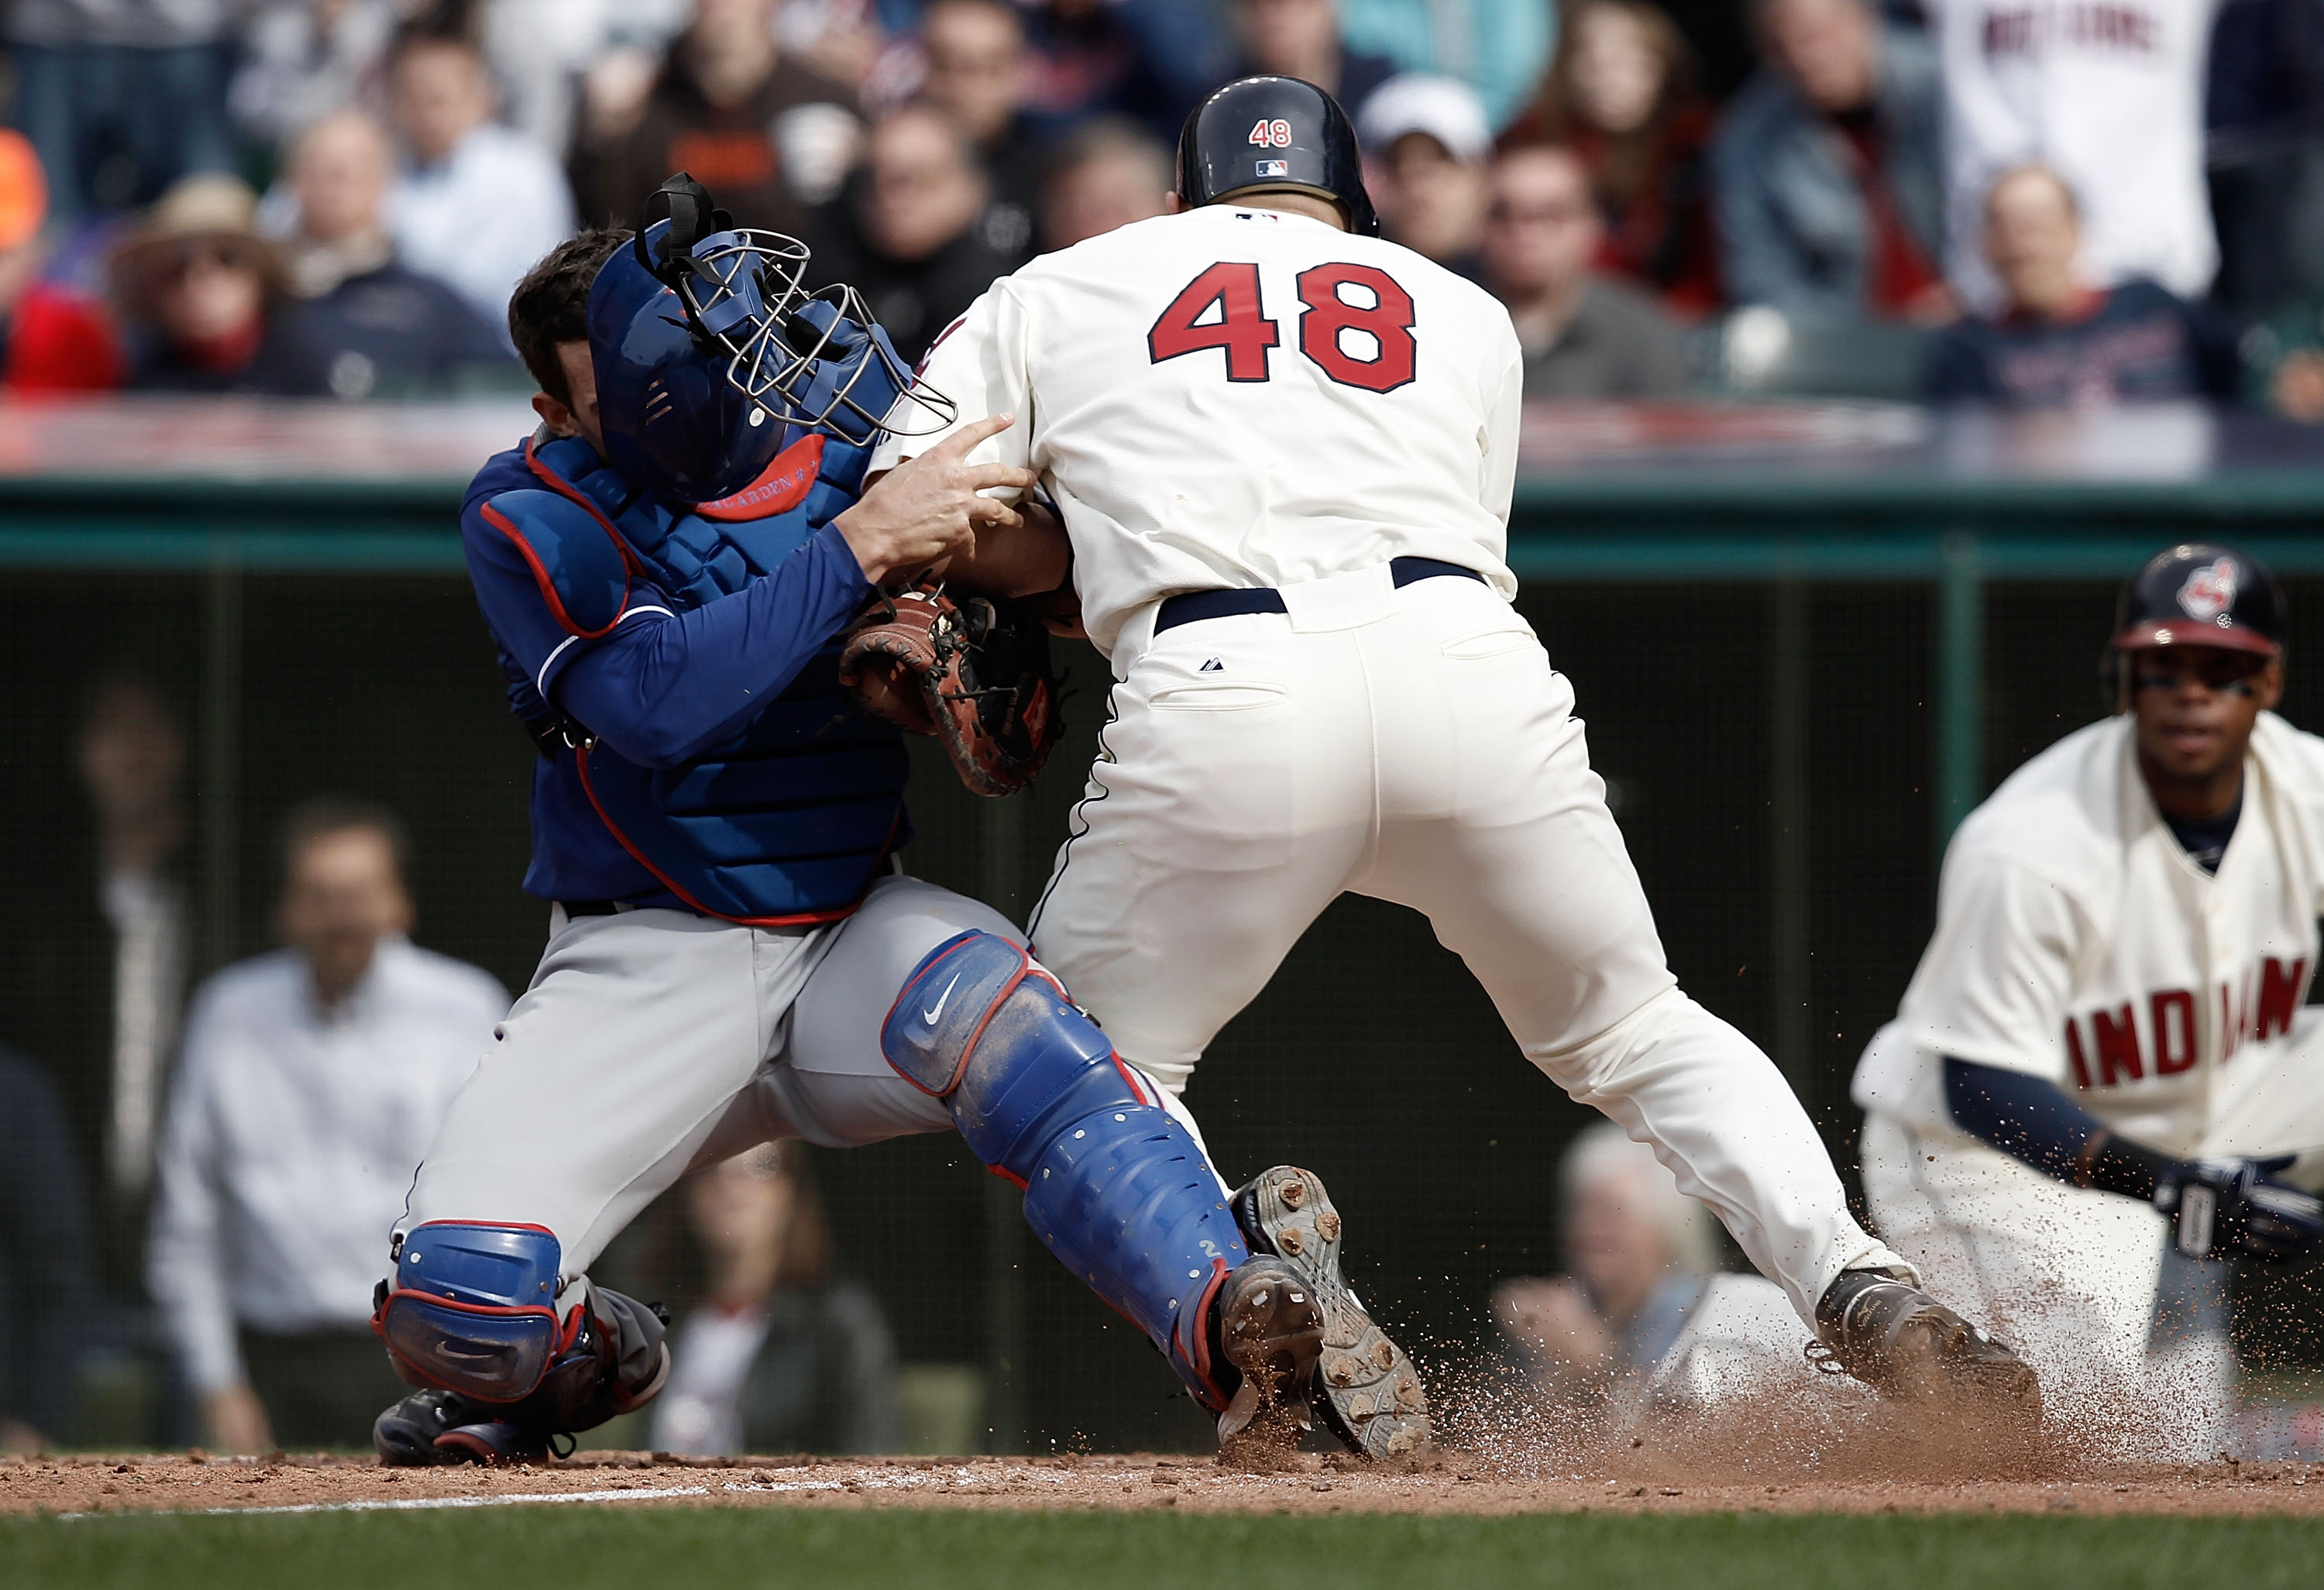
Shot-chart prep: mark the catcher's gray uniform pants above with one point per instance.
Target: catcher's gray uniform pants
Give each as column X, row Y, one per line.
column 652, row 1042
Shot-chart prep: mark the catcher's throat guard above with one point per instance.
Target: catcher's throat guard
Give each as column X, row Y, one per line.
column 973, row 671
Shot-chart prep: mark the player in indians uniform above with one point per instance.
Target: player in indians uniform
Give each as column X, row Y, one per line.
column 734, row 953
column 2104, row 1053
column 1284, row 450
column 2109, row 94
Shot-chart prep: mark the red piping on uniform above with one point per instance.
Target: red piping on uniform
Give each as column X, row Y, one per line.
column 574, row 494
column 803, row 919
column 1005, row 1174
column 500, row 521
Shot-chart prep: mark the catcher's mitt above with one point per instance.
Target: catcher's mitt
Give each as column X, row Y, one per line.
column 972, row 671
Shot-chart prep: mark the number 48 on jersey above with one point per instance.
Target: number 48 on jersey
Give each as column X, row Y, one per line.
column 1367, row 346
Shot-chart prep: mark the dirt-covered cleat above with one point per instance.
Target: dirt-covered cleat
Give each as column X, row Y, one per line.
column 1893, row 1336
column 1271, row 1329
column 439, row 1426
column 1365, row 1386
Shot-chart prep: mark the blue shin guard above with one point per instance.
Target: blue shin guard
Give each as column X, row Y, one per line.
column 1114, row 1185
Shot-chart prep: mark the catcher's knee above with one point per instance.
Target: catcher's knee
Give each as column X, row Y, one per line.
column 473, row 1308
column 980, row 1025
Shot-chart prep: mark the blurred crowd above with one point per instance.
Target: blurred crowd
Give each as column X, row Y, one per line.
column 2021, row 203
column 197, row 1173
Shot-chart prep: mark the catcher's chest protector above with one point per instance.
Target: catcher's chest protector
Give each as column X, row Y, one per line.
column 790, row 820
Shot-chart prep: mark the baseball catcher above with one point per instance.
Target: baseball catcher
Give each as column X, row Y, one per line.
column 668, row 566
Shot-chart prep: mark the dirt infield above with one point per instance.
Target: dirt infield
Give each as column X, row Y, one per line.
column 1447, row 1483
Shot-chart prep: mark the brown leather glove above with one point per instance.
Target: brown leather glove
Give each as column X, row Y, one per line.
column 972, row 671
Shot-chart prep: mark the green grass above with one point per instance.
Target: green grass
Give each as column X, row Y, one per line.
column 569, row 1549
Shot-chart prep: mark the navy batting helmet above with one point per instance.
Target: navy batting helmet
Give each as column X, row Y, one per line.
column 1274, row 133
column 2196, row 595
column 711, row 355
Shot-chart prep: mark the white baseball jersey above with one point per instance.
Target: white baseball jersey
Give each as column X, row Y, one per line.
column 1151, row 370
column 2107, row 93
column 2077, row 942
column 1239, row 398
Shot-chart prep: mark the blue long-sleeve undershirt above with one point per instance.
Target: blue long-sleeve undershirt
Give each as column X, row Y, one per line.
column 2036, row 1122
column 663, row 691
column 2025, row 1118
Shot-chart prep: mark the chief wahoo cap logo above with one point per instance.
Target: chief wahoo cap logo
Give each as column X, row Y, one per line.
column 2209, row 592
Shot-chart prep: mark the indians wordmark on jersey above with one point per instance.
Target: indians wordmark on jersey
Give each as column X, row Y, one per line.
column 2077, row 940
column 2160, row 1033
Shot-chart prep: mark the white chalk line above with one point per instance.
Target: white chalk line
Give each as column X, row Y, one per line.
column 403, row 1504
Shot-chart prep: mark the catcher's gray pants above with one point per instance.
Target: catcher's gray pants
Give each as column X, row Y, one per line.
column 652, row 1042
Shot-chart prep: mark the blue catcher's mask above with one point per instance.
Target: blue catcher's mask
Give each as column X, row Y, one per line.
column 711, row 356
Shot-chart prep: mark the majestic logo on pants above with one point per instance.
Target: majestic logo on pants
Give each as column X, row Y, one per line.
column 2211, row 592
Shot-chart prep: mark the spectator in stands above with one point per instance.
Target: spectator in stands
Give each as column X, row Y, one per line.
column 1107, row 175
column 122, row 101
column 1620, row 95
column 478, row 204
column 975, row 51
column 48, row 1289
column 302, row 60
column 1584, row 335
column 767, row 135
column 1498, row 46
column 1636, row 1254
column 906, row 231
column 204, row 292
column 1301, row 39
column 783, row 1357
column 1825, row 171
column 2058, row 341
column 51, row 338
column 1643, row 1315
column 93, row 953
column 1428, row 147
column 2110, row 97
column 311, row 1081
column 374, row 324
column 2264, row 110
column 1150, row 59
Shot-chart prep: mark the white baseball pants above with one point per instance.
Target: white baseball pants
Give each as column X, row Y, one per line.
column 2066, row 1275
column 2071, row 1277
column 1413, row 744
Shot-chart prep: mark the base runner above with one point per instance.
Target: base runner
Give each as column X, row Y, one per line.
column 2103, row 1085
column 1284, row 449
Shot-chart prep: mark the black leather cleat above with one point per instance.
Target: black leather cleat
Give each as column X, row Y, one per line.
column 1365, row 1386
column 1271, row 1329
column 1896, row 1337
column 437, row 1427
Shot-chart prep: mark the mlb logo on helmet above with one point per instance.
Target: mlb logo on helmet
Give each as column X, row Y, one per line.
column 1274, row 167
column 2209, row 593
